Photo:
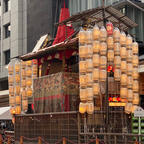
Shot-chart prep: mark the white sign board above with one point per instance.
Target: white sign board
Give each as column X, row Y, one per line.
column 139, row 112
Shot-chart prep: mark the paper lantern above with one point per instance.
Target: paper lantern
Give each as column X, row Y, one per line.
column 109, row 28
column 110, row 55
column 96, row 88
column 17, row 67
column 35, row 70
column 11, row 80
column 117, row 61
column 89, row 93
column 135, row 73
column 82, row 80
column 11, row 90
column 129, row 42
column 134, row 107
column 103, row 48
column 29, row 92
column 11, row 100
column 23, row 64
column 89, row 79
column 123, row 52
column 82, row 66
column 96, row 46
column 123, row 66
column 82, row 36
column 128, row 108
column 89, row 51
column 89, row 65
column 83, row 94
column 23, row 73
column 24, row 96
column 123, row 39
column 96, row 60
column 129, row 69
column 29, row 63
column 129, row 82
column 18, row 100
column 117, row 74
column 116, row 35
column 29, row 72
column 17, row 89
column 110, row 42
column 135, row 86
column 82, row 51
column 90, row 107
column 88, row 36
column 129, row 56
column 96, row 33
column 123, row 92
column 23, row 83
column 136, row 98
column 12, row 110
column 29, row 82
column 117, row 49
column 25, row 105
column 135, row 48
column 82, row 107
column 17, row 78
column 135, row 60
column 103, row 62
column 130, row 95
column 123, row 79
column 35, row 62
column 95, row 74
column 18, row 110
column 10, row 69
column 103, row 75
column 103, row 34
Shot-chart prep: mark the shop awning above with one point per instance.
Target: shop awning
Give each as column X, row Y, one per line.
column 5, row 113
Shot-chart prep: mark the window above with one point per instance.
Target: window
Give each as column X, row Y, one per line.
column 7, row 4
column 7, row 56
column 7, row 29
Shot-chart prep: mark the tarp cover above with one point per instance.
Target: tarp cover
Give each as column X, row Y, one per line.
column 5, row 113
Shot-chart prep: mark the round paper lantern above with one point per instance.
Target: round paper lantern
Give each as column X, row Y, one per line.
column 103, row 75
column 89, row 65
column 123, row 52
column 130, row 95
column 89, row 93
column 96, row 33
column 12, row 110
column 25, row 105
column 23, row 64
column 135, row 98
column 103, row 48
column 17, row 67
column 23, row 83
column 123, row 92
column 134, row 107
column 82, row 107
column 24, row 96
column 135, row 48
column 95, row 74
column 17, row 89
column 129, row 42
column 129, row 69
column 135, row 60
column 82, row 80
column 103, row 62
column 103, row 34
column 110, row 42
column 123, row 39
column 129, row 82
column 82, row 51
column 90, row 107
column 123, row 79
column 82, row 66
column 29, row 82
column 88, row 36
column 35, row 62
column 17, row 110
column 117, row 49
column 11, row 90
column 96, row 88
column 89, row 79
column 96, row 46
column 17, row 78
column 11, row 80
column 109, row 27
column 29, row 72
column 110, row 55
column 129, row 56
column 35, row 70
column 116, row 35
column 117, row 74
column 135, row 73
column 117, row 62
column 83, row 94
column 29, row 63
column 123, row 66
column 11, row 100
column 135, row 86
column 29, row 92
column 82, row 36
column 96, row 60
column 23, row 73
column 128, row 108
column 18, row 100
column 10, row 69
column 89, row 51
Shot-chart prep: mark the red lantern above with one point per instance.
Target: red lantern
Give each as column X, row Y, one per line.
column 109, row 27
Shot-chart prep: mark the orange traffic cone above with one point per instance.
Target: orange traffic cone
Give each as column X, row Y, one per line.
column 21, row 140
column 39, row 140
column 9, row 140
column 64, row 140
column 97, row 141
